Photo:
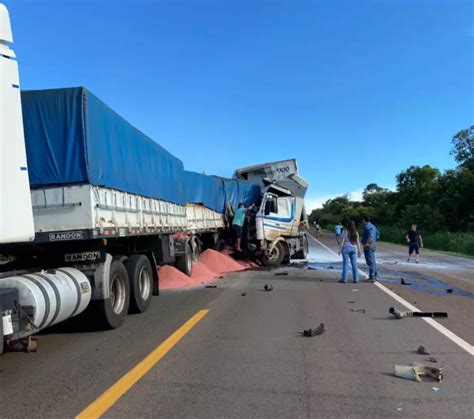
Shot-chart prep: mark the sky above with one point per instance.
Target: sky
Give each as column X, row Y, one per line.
column 356, row 91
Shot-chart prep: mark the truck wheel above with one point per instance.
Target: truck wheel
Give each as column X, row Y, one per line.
column 196, row 249
column 141, row 282
column 111, row 312
column 275, row 258
column 303, row 253
column 184, row 262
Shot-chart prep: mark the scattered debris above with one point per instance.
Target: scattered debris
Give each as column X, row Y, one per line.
column 358, row 310
column 401, row 314
column 313, row 332
column 281, row 273
column 351, row 302
column 436, row 389
column 449, row 290
column 243, row 294
column 355, row 290
column 415, row 371
column 403, row 282
column 431, row 359
column 211, row 286
column 422, row 350
column 268, row 287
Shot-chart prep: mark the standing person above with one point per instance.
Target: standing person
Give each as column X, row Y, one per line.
column 350, row 249
column 337, row 232
column 318, row 229
column 369, row 241
column 415, row 241
column 238, row 223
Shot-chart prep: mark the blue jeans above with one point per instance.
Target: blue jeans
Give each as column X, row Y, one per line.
column 349, row 253
column 369, row 253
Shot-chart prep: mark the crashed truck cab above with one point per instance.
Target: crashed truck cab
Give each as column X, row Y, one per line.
column 281, row 218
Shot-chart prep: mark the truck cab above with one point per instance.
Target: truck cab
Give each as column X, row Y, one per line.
column 281, row 218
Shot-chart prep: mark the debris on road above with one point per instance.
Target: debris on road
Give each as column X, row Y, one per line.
column 431, row 359
column 313, row 332
column 415, row 371
column 355, row 290
column 401, row 314
column 358, row 310
column 351, row 302
column 268, row 287
column 436, row 389
column 281, row 273
column 211, row 286
column 243, row 294
column 449, row 290
column 403, row 282
column 422, row 350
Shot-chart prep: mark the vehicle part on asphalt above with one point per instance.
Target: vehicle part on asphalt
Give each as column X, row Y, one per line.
column 351, row 302
column 358, row 310
column 24, row 345
column 403, row 282
column 422, row 350
column 401, row 314
column 435, row 389
column 243, row 294
column 211, row 286
column 449, row 290
column 268, row 287
column 281, row 273
column 415, row 371
column 313, row 332
column 431, row 359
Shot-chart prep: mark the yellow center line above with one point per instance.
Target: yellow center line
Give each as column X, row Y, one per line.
column 110, row 396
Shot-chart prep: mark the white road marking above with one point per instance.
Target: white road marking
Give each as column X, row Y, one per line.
column 439, row 327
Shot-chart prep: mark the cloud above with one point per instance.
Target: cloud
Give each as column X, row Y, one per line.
column 317, row 202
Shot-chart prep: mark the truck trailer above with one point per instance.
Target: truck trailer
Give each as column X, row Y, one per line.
column 90, row 208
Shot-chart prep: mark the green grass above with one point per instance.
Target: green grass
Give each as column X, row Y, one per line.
column 456, row 244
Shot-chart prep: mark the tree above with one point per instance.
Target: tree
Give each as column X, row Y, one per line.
column 463, row 148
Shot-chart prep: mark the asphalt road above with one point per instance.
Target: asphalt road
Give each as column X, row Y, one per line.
column 245, row 357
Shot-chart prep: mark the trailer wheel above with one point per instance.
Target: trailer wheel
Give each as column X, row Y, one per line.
column 141, row 282
column 303, row 253
column 275, row 258
column 196, row 249
column 184, row 262
column 111, row 312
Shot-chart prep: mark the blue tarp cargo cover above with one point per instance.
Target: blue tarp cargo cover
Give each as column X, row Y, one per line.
column 72, row 138
column 214, row 192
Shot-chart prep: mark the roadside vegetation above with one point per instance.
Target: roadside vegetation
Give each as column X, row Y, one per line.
column 441, row 204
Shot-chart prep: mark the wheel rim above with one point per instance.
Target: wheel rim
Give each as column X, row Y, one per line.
column 274, row 255
column 144, row 283
column 117, row 294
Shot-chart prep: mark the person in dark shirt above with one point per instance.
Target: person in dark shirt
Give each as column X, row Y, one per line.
column 415, row 241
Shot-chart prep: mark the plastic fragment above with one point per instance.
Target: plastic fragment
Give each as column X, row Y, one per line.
column 313, row 332
column 415, row 371
column 422, row 350
column 268, row 287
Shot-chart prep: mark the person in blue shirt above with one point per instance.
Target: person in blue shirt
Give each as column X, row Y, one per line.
column 338, row 231
column 369, row 241
column 238, row 223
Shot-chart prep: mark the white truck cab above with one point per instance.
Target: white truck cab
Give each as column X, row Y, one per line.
column 281, row 218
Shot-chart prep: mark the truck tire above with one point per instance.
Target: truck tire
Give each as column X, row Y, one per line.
column 196, row 249
column 140, row 276
column 184, row 262
column 276, row 257
column 303, row 253
column 111, row 312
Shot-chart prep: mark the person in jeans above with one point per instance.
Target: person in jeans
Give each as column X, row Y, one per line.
column 369, row 241
column 350, row 249
column 238, row 223
column 337, row 232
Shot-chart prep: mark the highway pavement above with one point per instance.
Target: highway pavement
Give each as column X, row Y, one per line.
column 243, row 356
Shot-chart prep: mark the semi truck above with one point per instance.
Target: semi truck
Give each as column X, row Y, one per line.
column 90, row 208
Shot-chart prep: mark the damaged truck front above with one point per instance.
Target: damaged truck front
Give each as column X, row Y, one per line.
column 281, row 219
